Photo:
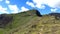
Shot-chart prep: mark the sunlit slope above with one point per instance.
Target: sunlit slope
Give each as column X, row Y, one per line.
column 19, row 20
column 29, row 23
column 40, row 25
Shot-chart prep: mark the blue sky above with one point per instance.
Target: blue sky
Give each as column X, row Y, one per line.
column 16, row 6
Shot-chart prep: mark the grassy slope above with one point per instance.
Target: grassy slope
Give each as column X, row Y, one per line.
column 29, row 23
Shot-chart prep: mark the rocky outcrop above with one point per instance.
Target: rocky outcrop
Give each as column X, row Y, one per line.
column 38, row 13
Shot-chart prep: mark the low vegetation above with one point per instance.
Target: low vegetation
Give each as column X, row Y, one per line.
column 29, row 22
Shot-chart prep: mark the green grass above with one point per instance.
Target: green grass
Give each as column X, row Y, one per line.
column 22, row 24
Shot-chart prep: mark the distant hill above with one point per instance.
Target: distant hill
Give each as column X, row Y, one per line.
column 57, row 15
column 30, row 22
column 54, row 14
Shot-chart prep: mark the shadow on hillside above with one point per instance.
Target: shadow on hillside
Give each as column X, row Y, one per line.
column 5, row 19
column 38, row 13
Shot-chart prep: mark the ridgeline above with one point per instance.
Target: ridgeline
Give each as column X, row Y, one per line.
column 29, row 22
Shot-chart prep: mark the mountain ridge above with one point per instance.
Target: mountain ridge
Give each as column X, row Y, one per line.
column 30, row 22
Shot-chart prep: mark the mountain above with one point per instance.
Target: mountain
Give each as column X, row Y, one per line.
column 57, row 15
column 54, row 14
column 29, row 22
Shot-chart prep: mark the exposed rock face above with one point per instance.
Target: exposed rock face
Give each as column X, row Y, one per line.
column 4, row 20
column 38, row 13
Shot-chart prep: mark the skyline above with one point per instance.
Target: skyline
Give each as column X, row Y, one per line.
column 16, row 6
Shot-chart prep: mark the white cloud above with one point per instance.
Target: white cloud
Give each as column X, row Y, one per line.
column 54, row 10
column 40, row 6
column 38, row 2
column 37, row 5
column 3, row 10
column 1, row 0
column 23, row 9
column 30, row 4
column 58, row 4
column 13, row 8
column 7, row 1
column 51, row 3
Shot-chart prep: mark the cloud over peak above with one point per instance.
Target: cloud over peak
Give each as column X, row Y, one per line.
column 51, row 3
column 12, row 7
column 23, row 9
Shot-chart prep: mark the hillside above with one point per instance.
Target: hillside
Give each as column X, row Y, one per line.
column 30, row 23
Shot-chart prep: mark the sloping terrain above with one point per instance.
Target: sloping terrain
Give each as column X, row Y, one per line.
column 30, row 23
column 5, row 19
